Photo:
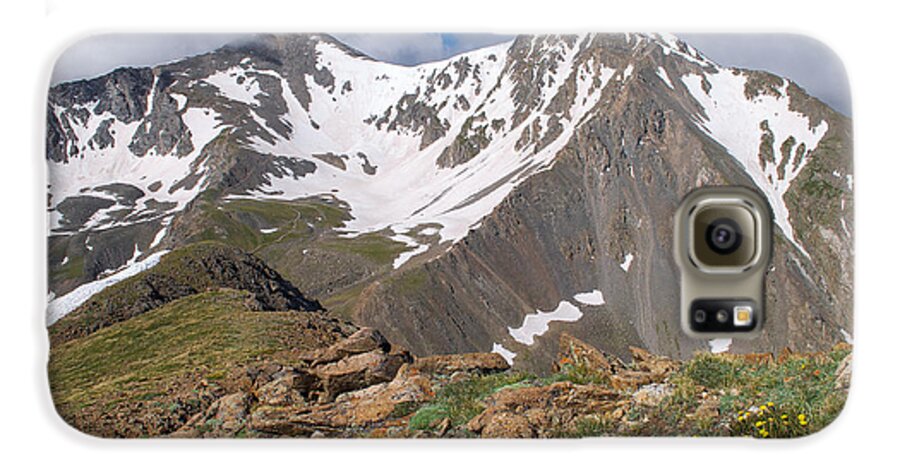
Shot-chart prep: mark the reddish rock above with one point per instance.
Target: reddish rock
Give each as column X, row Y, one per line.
column 540, row 411
column 472, row 363
column 358, row 372
column 363, row 341
column 574, row 351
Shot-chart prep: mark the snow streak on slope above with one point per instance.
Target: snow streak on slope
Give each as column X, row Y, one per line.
column 59, row 307
column 664, row 77
column 626, row 264
column 744, row 126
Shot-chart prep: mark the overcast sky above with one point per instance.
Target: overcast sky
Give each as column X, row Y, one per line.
column 806, row 61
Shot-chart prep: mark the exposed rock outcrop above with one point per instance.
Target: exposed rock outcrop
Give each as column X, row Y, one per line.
column 189, row 270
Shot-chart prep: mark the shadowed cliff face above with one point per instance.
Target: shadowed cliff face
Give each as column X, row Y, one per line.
column 487, row 202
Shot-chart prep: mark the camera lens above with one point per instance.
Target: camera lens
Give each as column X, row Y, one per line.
column 723, row 236
column 722, row 316
column 699, row 316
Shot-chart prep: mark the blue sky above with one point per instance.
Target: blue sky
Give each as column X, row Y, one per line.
column 802, row 59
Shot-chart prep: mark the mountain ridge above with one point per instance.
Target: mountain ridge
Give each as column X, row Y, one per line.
column 430, row 156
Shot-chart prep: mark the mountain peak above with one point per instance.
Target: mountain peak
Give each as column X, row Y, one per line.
column 575, row 146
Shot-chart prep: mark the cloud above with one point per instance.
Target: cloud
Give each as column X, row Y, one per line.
column 98, row 55
column 406, row 49
column 806, row 61
column 413, row 49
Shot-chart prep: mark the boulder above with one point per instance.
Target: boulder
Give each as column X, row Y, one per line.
column 645, row 369
column 362, row 341
column 471, row 363
column 631, row 380
column 658, row 366
column 224, row 417
column 357, row 372
column 260, row 374
column 289, row 389
column 540, row 411
column 843, row 372
column 358, row 409
column 575, row 351
column 651, row 395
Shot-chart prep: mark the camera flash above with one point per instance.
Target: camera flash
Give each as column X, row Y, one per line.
column 743, row 315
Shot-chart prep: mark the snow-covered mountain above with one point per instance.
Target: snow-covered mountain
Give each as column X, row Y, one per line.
column 504, row 180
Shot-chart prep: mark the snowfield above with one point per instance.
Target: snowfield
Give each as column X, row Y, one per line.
column 432, row 195
column 737, row 122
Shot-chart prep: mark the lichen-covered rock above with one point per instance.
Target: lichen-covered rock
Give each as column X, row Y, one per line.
column 362, row 341
column 358, row 371
column 472, row 363
column 843, row 373
column 224, row 417
column 351, row 411
column 540, row 411
column 575, row 351
column 290, row 389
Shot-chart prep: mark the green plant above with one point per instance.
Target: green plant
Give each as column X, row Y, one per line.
column 460, row 401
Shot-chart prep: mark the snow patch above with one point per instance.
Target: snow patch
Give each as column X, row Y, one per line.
column 162, row 232
column 538, row 323
column 416, row 247
column 504, row 352
column 429, row 231
column 592, row 298
column 719, row 345
column 847, row 337
column 625, row 265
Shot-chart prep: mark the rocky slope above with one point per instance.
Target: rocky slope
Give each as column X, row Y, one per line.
column 186, row 271
column 205, row 366
column 490, row 201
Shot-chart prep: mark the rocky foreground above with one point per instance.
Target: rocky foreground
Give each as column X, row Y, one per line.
column 364, row 386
